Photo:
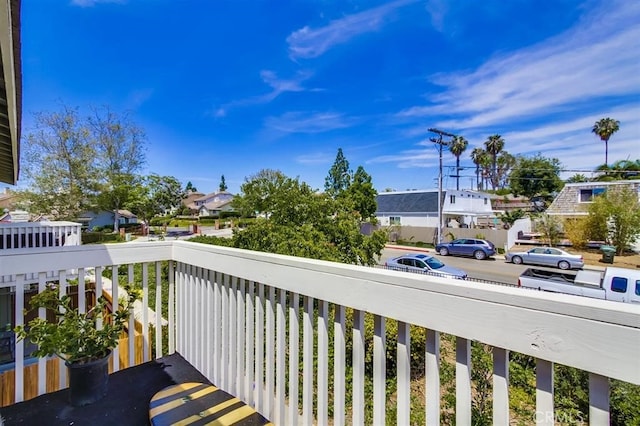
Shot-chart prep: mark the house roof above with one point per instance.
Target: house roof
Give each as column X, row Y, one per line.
column 212, row 194
column 10, row 91
column 407, row 202
column 216, row 205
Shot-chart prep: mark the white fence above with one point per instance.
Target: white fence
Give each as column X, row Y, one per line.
column 249, row 320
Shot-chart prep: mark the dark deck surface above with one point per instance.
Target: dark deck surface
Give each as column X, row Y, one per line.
column 126, row 403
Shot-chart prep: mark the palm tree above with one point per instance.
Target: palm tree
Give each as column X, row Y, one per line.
column 494, row 146
column 477, row 156
column 457, row 146
column 604, row 128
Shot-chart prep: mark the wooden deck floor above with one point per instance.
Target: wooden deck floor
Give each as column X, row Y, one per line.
column 127, row 401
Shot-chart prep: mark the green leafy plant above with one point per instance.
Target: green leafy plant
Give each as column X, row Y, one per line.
column 75, row 336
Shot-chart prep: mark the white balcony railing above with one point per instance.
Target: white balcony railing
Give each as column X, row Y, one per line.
column 260, row 327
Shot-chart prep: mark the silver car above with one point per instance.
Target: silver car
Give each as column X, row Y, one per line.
column 424, row 263
column 547, row 256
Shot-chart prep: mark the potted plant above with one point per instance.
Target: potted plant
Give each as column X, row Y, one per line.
column 77, row 338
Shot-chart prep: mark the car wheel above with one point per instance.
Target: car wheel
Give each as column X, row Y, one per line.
column 444, row 251
column 480, row 255
column 517, row 260
column 563, row 264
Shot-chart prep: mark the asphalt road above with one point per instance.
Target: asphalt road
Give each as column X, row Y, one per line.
column 493, row 269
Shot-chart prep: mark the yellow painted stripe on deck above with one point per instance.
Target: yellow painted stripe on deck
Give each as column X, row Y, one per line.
column 174, row 390
column 208, row 412
column 233, row 417
column 172, row 404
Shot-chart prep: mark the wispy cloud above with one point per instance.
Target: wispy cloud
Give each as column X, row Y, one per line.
column 311, row 43
column 137, row 98
column 278, row 87
column 91, row 3
column 301, row 122
column 596, row 59
column 315, row 158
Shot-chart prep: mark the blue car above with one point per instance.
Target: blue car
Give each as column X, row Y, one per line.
column 472, row 247
column 424, row 263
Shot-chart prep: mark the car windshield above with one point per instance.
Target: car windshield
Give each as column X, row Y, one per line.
column 434, row 263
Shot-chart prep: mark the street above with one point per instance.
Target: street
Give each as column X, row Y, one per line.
column 493, row 269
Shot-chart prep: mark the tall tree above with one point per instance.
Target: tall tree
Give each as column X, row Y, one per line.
column 506, row 162
column 494, row 145
column 477, row 156
column 223, row 184
column 618, row 212
column 257, row 192
column 578, row 177
column 605, row 128
column 536, row 176
column 620, row 170
column 190, row 188
column 362, row 194
column 60, row 164
column 158, row 194
column 457, row 146
column 120, row 145
column 339, row 177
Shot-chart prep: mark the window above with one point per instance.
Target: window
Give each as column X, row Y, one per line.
column 619, row 285
column 486, row 200
column 394, row 220
column 452, row 199
column 586, row 195
column 637, row 287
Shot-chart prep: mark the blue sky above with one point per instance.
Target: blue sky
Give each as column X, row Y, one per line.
column 230, row 87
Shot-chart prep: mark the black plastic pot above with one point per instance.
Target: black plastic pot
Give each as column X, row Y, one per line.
column 88, row 382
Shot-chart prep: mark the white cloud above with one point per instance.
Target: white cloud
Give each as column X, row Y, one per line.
column 315, row 158
column 311, row 43
column 91, row 3
column 300, row 122
column 595, row 60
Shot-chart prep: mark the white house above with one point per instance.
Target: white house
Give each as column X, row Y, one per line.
column 214, row 203
column 462, row 208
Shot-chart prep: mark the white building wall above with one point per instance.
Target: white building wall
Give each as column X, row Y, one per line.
column 409, row 220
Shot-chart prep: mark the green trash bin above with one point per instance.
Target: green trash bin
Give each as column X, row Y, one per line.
column 608, row 253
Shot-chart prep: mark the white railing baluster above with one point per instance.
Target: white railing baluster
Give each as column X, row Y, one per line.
column 115, row 303
column 233, row 335
column 432, row 378
column 339, row 369
column 181, row 307
column 281, row 318
column 294, row 356
column 599, row 400
column 307, row 361
column 250, row 337
column 159, row 310
column 131, row 322
column 172, row 308
column 358, row 367
column 198, row 311
column 217, row 328
column 463, row 381
column 500, row 387
column 209, row 324
column 240, row 333
column 379, row 370
column 260, row 341
column 545, row 414
column 323, row 363
column 145, row 312
column 42, row 362
column 19, row 349
column 225, row 332
column 404, row 373
column 270, row 354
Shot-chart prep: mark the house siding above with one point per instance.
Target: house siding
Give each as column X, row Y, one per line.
column 567, row 202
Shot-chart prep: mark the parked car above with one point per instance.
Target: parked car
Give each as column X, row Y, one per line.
column 480, row 249
column 546, row 256
column 424, row 263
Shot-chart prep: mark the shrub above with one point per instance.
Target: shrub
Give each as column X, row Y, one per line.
column 577, row 231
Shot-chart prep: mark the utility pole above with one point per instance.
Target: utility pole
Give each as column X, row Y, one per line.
column 438, row 141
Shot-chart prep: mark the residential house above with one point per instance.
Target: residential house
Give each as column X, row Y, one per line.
column 270, row 328
column 460, row 208
column 189, row 201
column 510, row 202
column 93, row 219
column 575, row 198
column 214, row 203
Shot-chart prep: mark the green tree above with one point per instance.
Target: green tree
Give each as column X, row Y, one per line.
column 457, row 146
column 617, row 211
column 190, row 187
column 223, row 184
column 605, row 128
column 479, row 157
column 156, row 195
column 258, row 192
column 339, row 177
column 505, row 164
column 362, row 194
column 620, row 170
column 60, row 164
column 120, row 147
column 536, row 176
column 494, row 146
column 577, row 178
column 550, row 227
